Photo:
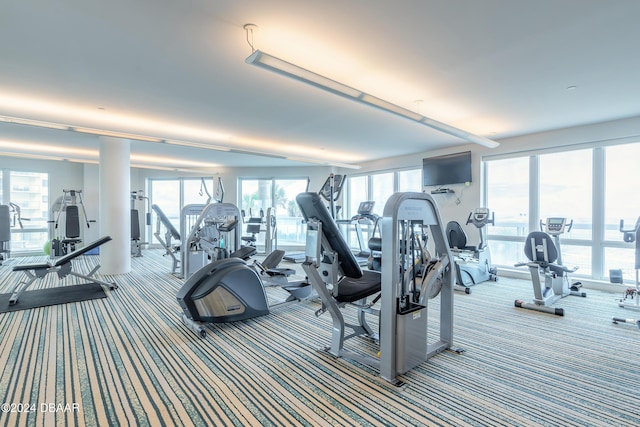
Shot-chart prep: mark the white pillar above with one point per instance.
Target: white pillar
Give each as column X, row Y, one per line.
column 115, row 208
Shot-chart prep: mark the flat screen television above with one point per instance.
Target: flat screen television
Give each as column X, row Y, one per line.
column 446, row 170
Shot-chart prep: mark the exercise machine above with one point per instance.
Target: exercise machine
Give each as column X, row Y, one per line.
column 167, row 238
column 136, row 244
column 542, row 248
column 261, row 224
column 62, row 266
column 631, row 297
column 402, row 288
column 617, row 320
column 269, row 271
column 210, row 232
column 473, row 263
column 67, row 206
column 364, row 217
column 330, row 191
column 230, row 290
column 10, row 217
column 5, row 233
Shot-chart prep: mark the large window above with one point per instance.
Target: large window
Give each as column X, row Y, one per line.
column 566, row 189
column 280, row 194
column 593, row 187
column 508, row 197
column 620, row 203
column 171, row 195
column 507, row 186
column 382, row 187
column 410, row 180
column 621, row 200
column 28, row 198
column 379, row 187
column 376, row 187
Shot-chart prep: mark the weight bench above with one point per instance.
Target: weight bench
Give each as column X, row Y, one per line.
column 351, row 284
column 62, row 267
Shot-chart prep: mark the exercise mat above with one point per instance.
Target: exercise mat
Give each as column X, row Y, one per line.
column 52, row 296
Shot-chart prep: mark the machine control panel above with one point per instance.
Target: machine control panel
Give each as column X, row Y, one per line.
column 557, row 226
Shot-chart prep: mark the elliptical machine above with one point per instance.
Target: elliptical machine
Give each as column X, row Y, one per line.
column 542, row 248
column 473, row 263
column 230, row 290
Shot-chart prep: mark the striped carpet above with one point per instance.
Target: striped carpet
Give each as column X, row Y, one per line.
column 128, row 360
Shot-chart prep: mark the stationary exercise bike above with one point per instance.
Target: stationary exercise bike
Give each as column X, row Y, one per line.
column 542, row 248
column 473, row 263
column 631, row 235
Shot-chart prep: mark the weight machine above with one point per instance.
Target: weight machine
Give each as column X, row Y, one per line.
column 213, row 232
column 68, row 207
column 136, row 244
column 10, row 216
column 261, row 224
column 542, row 248
column 403, row 288
column 5, row 233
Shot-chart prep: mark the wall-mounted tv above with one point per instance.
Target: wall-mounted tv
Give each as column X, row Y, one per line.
column 446, row 170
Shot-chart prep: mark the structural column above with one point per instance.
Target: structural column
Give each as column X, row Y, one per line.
column 115, row 209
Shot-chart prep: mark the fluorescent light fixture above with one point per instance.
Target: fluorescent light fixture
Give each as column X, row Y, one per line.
column 197, row 145
column 269, row 62
column 29, row 122
column 266, row 61
column 323, row 162
column 102, row 132
column 393, row 108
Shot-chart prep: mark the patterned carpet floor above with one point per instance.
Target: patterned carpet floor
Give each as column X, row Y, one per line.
column 128, row 360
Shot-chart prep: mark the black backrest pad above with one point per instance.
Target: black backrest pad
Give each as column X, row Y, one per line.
column 135, row 225
column 312, row 207
column 72, row 223
column 455, row 235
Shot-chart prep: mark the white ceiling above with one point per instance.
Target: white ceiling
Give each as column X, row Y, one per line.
column 176, row 70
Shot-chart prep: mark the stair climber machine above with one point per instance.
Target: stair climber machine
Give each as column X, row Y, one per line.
column 542, row 248
column 473, row 263
column 631, row 298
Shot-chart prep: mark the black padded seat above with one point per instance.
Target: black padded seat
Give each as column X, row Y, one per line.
column 24, row 267
column 351, row 290
column 457, row 237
